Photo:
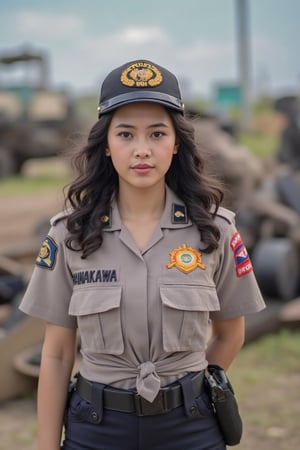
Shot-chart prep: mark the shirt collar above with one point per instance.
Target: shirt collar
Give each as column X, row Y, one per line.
column 174, row 214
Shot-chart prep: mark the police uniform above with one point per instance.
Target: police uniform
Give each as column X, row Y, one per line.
column 143, row 318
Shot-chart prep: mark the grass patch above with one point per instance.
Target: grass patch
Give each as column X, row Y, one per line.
column 260, row 144
column 266, row 379
column 38, row 176
column 17, row 185
column 261, row 358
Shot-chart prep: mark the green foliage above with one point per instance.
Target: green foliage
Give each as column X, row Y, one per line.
column 266, row 380
column 14, row 186
column 40, row 175
column 263, row 354
column 262, row 105
column 260, row 144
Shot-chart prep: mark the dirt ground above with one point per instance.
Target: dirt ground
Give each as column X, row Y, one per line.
column 18, row 425
column 18, row 417
column 23, row 224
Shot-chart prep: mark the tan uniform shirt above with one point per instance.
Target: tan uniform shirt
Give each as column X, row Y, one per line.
column 143, row 316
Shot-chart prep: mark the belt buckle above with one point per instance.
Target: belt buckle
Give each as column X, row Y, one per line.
column 158, row 406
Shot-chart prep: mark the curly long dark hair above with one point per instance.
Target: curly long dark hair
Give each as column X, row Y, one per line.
column 90, row 194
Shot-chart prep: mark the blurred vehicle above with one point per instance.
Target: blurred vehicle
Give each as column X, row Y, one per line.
column 35, row 120
column 266, row 201
column 276, row 255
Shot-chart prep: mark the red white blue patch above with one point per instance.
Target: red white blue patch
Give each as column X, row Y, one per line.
column 242, row 260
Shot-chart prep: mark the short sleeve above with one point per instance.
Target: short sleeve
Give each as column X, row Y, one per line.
column 236, row 285
column 49, row 291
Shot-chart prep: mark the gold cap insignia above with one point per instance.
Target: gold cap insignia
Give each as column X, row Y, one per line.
column 47, row 255
column 141, row 74
column 185, row 259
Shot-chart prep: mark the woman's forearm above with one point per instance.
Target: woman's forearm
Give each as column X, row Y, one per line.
column 226, row 341
column 52, row 394
column 57, row 361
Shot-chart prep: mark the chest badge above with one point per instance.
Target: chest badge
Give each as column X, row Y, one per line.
column 185, row 259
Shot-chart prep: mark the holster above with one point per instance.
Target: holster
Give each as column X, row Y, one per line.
column 224, row 404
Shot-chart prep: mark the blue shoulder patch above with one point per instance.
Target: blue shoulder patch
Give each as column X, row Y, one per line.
column 47, row 255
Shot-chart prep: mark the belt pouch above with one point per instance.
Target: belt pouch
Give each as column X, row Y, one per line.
column 92, row 410
column 96, row 412
column 188, row 394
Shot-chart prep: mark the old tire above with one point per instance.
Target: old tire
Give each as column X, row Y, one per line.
column 277, row 267
column 8, row 164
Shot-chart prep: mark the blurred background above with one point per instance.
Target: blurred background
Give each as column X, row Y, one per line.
column 237, row 64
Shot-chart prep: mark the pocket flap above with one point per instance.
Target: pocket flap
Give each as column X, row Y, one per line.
column 190, row 298
column 93, row 301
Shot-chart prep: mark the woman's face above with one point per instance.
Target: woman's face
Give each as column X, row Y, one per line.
column 141, row 143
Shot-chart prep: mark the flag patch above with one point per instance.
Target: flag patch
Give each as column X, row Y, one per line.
column 242, row 260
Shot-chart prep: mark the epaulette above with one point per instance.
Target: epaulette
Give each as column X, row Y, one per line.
column 226, row 214
column 179, row 214
column 60, row 215
column 106, row 219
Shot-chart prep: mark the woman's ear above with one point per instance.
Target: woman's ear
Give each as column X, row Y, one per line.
column 107, row 152
column 176, row 148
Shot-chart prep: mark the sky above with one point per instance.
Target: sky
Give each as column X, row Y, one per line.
column 196, row 39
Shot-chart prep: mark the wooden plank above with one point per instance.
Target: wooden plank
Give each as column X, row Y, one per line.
column 290, row 313
column 263, row 322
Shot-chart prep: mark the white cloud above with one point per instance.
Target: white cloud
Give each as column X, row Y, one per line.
column 45, row 26
column 81, row 59
column 199, row 63
column 88, row 58
column 145, row 35
column 273, row 63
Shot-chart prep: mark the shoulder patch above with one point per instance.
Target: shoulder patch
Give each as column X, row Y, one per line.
column 179, row 214
column 47, row 254
column 242, row 260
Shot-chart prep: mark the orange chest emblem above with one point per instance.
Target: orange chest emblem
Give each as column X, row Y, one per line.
column 185, row 259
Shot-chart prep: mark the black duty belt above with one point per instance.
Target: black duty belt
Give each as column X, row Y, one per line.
column 126, row 401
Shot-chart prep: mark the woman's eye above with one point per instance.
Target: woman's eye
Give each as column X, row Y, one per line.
column 157, row 134
column 125, row 134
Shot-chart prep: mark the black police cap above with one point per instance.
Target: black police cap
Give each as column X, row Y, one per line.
column 137, row 81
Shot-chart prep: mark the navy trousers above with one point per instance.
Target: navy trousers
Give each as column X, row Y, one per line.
column 189, row 427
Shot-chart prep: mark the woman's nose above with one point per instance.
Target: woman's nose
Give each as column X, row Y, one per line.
column 142, row 149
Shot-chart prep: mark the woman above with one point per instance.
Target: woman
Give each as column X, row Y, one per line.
column 140, row 262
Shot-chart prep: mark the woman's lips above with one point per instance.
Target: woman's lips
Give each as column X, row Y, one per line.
column 142, row 168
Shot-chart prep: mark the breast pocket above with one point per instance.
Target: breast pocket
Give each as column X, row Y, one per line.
column 99, row 319
column 185, row 316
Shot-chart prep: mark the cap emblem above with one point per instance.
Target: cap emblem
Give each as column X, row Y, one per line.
column 141, row 74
